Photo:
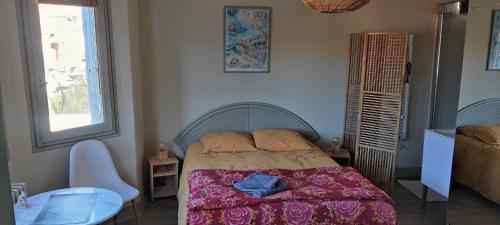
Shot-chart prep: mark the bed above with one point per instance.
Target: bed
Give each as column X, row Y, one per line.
column 247, row 117
column 476, row 163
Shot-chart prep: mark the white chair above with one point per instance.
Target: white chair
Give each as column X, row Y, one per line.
column 90, row 165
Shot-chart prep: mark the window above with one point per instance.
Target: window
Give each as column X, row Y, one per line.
column 69, row 66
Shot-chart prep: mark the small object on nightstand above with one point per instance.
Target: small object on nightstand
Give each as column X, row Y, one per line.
column 163, row 151
column 22, row 201
column 164, row 176
column 336, row 145
column 343, row 154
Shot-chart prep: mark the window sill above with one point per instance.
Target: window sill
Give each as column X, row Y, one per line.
column 73, row 141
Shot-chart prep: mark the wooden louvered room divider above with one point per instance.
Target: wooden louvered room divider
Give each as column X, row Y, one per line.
column 352, row 96
column 381, row 71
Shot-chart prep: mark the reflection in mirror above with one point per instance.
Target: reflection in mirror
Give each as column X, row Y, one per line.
column 474, row 194
column 475, row 180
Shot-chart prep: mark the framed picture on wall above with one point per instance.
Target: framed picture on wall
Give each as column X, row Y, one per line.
column 247, row 39
column 494, row 53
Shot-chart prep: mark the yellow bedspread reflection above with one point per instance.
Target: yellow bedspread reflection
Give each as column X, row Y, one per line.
column 195, row 159
column 477, row 165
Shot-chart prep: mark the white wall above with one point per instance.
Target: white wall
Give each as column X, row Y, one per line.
column 477, row 83
column 136, row 70
column 182, row 44
column 49, row 170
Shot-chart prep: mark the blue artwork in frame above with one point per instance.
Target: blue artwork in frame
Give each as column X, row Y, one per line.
column 494, row 54
column 247, row 32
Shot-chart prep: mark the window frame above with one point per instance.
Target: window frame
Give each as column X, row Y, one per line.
column 43, row 138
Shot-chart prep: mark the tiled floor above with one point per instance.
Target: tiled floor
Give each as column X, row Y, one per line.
column 466, row 207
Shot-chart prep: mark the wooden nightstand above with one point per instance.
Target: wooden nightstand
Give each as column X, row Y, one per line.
column 164, row 176
column 344, row 155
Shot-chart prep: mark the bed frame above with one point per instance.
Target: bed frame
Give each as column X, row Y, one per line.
column 482, row 112
column 242, row 116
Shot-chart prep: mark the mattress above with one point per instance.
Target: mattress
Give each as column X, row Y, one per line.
column 195, row 159
column 477, row 165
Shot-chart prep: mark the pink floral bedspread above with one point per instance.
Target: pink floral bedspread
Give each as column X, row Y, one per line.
column 336, row 195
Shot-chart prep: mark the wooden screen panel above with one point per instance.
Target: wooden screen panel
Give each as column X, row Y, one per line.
column 352, row 95
column 383, row 77
column 379, row 121
column 379, row 168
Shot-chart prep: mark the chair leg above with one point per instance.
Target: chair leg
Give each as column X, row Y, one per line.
column 114, row 220
column 135, row 213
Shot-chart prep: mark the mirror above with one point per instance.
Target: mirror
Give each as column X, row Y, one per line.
column 475, row 179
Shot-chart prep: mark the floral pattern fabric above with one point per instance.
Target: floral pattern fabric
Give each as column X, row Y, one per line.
column 332, row 195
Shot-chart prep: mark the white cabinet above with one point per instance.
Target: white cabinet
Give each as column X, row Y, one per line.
column 437, row 160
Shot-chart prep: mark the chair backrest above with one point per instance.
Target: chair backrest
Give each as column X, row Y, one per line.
column 91, row 165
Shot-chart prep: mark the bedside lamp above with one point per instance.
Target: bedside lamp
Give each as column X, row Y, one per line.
column 336, row 145
column 163, row 151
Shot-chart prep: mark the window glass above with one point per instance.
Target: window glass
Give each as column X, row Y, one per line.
column 71, row 66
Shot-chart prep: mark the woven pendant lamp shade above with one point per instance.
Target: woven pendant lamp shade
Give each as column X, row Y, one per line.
column 335, row 6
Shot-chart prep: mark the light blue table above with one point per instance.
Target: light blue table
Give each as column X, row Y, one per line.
column 107, row 205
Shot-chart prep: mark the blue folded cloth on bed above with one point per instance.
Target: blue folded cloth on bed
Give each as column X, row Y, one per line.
column 260, row 185
column 259, row 180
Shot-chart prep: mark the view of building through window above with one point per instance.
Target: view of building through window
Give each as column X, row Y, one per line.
column 71, row 66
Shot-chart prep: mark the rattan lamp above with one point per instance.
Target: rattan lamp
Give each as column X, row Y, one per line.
column 335, row 6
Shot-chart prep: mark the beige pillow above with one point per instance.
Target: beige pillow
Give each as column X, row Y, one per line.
column 487, row 133
column 227, row 141
column 281, row 140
